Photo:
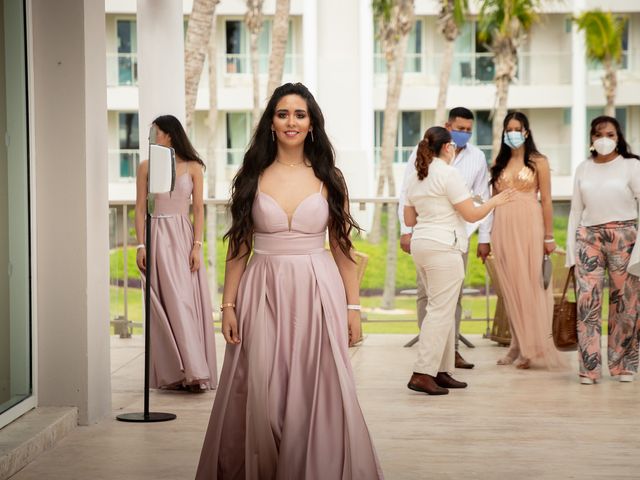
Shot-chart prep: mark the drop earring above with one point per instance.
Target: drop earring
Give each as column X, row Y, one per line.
column 273, row 135
column 312, row 139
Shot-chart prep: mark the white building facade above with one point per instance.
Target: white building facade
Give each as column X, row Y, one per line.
column 338, row 58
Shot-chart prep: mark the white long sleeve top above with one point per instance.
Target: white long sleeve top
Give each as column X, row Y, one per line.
column 602, row 193
column 472, row 165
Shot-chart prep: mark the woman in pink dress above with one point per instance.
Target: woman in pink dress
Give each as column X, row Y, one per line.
column 286, row 406
column 522, row 233
column 183, row 352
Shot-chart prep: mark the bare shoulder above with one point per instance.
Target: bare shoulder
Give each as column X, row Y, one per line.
column 540, row 161
column 143, row 167
column 195, row 169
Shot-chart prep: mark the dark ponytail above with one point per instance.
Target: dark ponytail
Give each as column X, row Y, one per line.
column 429, row 147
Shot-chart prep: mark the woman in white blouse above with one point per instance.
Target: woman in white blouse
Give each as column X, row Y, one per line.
column 602, row 234
column 438, row 203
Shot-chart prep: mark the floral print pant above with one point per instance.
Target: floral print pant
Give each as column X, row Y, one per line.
column 609, row 247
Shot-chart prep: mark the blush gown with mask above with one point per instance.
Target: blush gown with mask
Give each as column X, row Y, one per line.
column 517, row 242
column 182, row 342
column 286, row 406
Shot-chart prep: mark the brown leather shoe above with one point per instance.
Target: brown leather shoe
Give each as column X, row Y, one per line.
column 445, row 380
column 462, row 363
column 421, row 382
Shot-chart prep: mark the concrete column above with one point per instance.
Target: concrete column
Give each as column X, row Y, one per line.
column 70, row 207
column 579, row 92
column 340, row 84
column 310, row 45
column 160, row 25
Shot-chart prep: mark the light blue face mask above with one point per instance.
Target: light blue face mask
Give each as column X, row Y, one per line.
column 514, row 139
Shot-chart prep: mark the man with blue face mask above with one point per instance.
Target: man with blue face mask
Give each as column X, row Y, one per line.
column 472, row 164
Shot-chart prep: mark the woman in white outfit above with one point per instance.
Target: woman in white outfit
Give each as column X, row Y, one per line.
column 438, row 204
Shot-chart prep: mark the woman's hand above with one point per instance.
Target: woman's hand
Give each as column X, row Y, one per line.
column 230, row 326
column 141, row 259
column 194, row 258
column 549, row 247
column 355, row 329
column 504, row 196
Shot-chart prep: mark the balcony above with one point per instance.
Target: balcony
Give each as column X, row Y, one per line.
column 123, row 164
column 122, row 69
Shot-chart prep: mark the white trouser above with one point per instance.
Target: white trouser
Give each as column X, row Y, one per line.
column 442, row 272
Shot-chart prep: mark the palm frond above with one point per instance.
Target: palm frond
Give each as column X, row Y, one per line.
column 603, row 35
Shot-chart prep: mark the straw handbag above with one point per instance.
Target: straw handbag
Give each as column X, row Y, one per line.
column 565, row 316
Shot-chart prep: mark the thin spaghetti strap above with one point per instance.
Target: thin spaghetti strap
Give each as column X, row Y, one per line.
column 321, row 185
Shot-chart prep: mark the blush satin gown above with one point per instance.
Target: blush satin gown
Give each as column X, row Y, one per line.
column 182, row 343
column 286, row 406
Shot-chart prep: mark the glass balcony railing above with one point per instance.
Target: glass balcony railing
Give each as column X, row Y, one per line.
column 240, row 63
column 123, row 164
column 402, row 154
column 122, row 69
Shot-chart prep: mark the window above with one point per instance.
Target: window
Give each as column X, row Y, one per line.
column 413, row 58
column 237, row 47
column 409, row 135
column 15, row 236
column 473, row 63
column 238, row 136
column 127, row 52
column 129, row 143
column 483, row 132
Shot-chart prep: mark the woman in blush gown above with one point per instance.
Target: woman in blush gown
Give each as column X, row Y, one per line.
column 522, row 233
column 286, row 407
column 183, row 352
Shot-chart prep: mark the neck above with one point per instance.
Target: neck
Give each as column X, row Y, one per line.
column 518, row 153
column 606, row 158
column 287, row 154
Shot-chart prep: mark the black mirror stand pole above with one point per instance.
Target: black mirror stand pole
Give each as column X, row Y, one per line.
column 147, row 416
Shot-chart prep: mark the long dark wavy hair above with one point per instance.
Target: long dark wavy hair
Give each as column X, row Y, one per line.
column 179, row 140
column 622, row 147
column 504, row 155
column 434, row 140
column 262, row 153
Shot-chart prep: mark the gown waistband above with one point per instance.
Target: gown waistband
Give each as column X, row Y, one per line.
column 288, row 243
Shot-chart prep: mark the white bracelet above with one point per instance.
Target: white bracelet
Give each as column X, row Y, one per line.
column 140, row 246
column 354, row 307
column 549, row 240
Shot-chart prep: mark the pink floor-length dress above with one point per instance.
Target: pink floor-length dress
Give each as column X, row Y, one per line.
column 182, row 342
column 286, row 407
column 517, row 241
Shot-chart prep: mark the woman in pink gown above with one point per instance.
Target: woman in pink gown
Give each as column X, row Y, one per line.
column 183, row 352
column 286, row 407
column 522, row 233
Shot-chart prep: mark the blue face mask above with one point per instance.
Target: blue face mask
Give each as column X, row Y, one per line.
column 514, row 139
column 461, row 138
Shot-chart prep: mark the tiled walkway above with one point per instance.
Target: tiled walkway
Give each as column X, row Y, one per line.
column 509, row 424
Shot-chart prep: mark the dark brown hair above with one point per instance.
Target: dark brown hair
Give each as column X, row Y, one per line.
column 429, row 147
column 179, row 140
column 262, row 153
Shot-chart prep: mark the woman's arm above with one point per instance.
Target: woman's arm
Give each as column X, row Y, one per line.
column 197, row 201
column 141, row 212
column 575, row 215
column 233, row 271
column 410, row 216
column 349, row 272
column 472, row 213
column 544, row 185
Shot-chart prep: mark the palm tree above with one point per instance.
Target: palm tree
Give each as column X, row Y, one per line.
column 279, row 37
column 195, row 47
column 603, row 35
column 395, row 20
column 450, row 20
column 503, row 25
column 254, row 20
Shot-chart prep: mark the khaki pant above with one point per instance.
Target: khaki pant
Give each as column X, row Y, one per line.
column 421, row 300
column 441, row 270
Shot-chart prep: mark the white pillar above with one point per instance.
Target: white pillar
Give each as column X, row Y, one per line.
column 70, row 205
column 579, row 94
column 310, row 45
column 160, row 31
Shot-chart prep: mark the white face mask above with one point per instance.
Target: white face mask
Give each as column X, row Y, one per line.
column 604, row 145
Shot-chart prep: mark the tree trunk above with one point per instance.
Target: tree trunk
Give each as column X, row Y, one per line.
column 211, row 220
column 445, row 74
column 195, row 48
column 279, row 38
column 255, row 73
column 506, row 63
column 610, row 84
column 395, row 71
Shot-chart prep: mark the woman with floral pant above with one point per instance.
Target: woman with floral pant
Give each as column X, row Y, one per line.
column 602, row 234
